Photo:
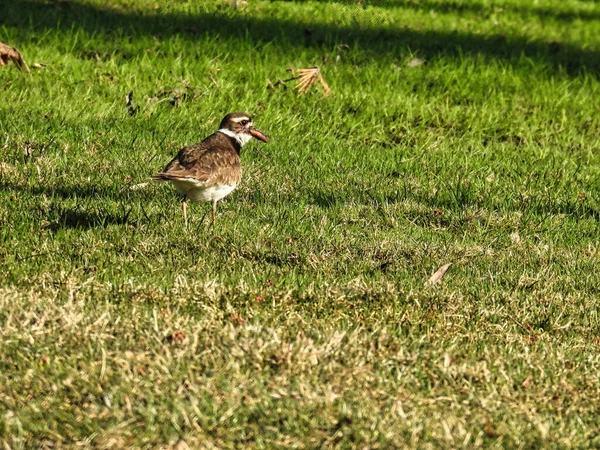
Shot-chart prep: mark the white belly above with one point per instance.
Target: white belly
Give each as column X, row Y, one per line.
column 197, row 191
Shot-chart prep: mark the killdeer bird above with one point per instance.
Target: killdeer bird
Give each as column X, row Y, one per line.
column 210, row 170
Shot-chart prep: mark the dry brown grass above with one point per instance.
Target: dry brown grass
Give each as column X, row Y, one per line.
column 222, row 368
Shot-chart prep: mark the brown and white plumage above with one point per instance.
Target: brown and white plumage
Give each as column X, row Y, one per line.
column 211, row 169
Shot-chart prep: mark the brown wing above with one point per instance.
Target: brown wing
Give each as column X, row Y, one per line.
column 214, row 161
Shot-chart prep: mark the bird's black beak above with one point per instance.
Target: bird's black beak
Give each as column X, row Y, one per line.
column 258, row 135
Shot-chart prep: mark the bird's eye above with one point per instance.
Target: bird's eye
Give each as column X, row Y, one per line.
column 244, row 122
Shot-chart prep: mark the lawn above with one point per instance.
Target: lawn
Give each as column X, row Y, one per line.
column 463, row 132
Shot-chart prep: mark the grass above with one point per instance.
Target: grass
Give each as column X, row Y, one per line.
column 302, row 319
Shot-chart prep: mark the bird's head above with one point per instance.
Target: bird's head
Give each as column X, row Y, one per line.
column 239, row 126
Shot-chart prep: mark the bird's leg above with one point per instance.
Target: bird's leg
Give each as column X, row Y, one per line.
column 214, row 211
column 185, row 219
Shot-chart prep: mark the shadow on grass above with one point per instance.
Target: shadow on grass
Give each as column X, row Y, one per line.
column 326, row 199
column 61, row 216
column 33, row 18
column 83, row 191
column 456, row 201
column 76, row 218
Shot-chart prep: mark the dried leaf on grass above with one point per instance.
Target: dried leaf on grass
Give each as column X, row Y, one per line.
column 490, row 430
column 181, row 445
column 138, row 186
column 132, row 110
column 8, row 53
column 415, row 62
column 134, row 187
column 437, row 276
column 306, row 78
column 310, row 76
column 184, row 92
